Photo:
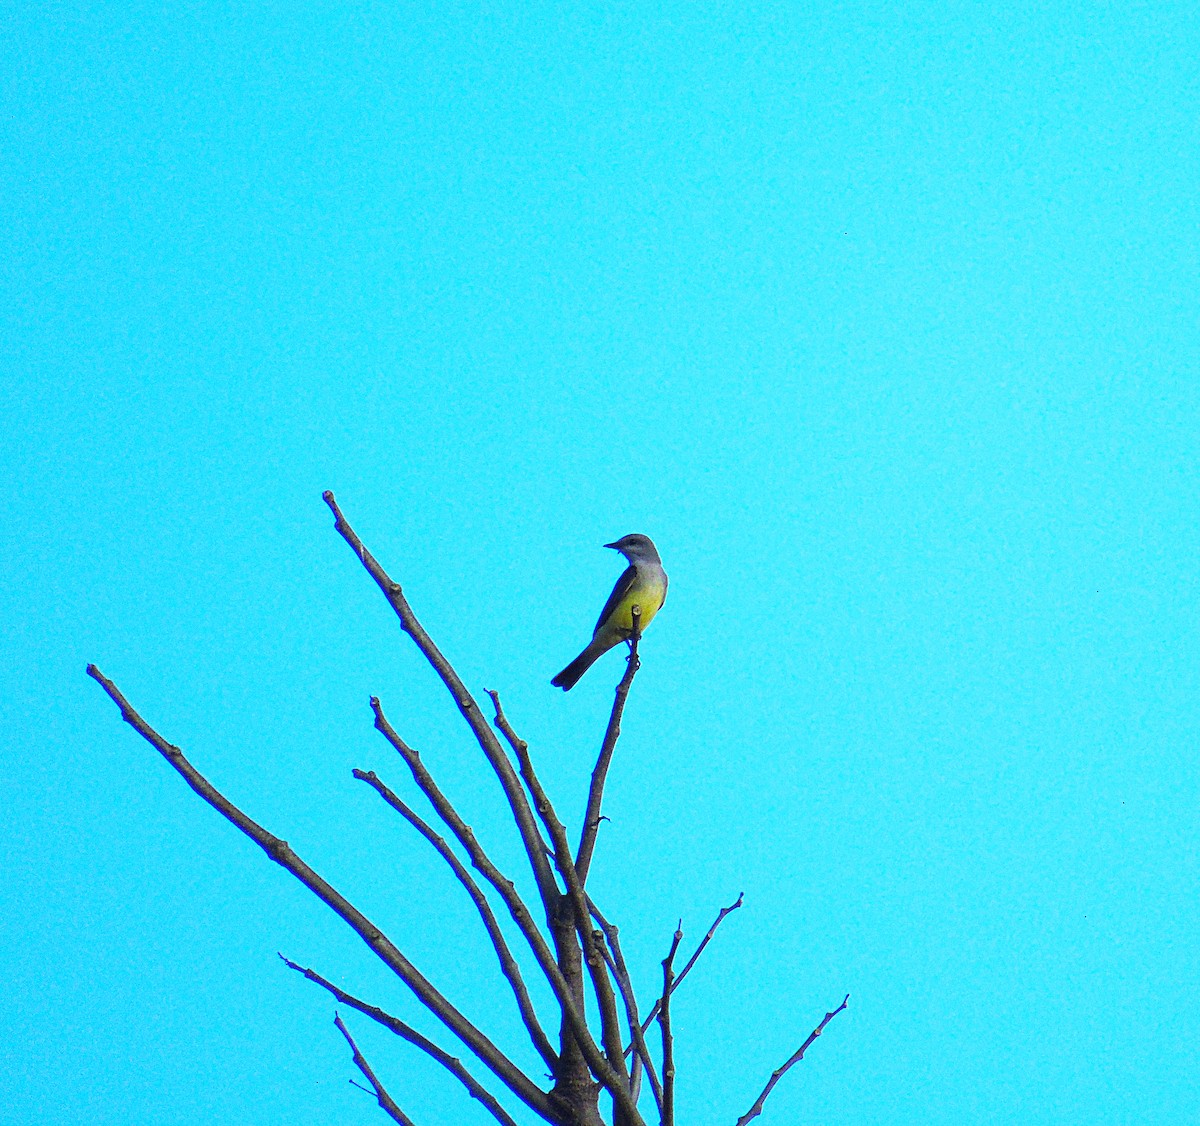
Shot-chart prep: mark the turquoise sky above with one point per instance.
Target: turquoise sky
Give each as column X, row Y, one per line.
column 881, row 320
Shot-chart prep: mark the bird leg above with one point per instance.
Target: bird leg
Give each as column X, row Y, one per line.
column 635, row 634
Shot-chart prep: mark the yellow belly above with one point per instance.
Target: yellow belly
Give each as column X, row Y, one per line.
column 648, row 597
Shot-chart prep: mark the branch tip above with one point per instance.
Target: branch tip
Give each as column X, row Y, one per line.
column 794, row 1059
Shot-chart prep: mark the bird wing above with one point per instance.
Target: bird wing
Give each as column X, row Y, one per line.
column 614, row 600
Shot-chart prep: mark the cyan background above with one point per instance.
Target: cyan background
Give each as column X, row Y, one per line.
column 881, row 320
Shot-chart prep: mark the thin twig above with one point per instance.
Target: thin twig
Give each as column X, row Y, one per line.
column 706, row 939
column 406, row 1032
column 487, row 740
column 779, row 1072
column 664, row 1021
column 508, row 964
column 385, row 1100
column 617, row 1082
column 279, row 851
column 692, row 960
column 592, row 818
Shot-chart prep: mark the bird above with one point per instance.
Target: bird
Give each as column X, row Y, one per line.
column 644, row 585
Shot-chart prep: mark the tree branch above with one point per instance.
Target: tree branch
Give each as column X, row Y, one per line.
column 393, row 1024
column 279, row 851
column 664, row 1021
column 616, row 1081
column 779, row 1072
column 385, row 1100
column 487, row 740
column 572, row 1013
column 692, row 960
column 591, row 819
column 621, row 973
column 508, row 964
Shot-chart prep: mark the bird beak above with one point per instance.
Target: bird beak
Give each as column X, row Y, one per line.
column 613, row 546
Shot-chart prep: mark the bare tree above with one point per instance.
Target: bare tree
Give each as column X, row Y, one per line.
column 576, row 949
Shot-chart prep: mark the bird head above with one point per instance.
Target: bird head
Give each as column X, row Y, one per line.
column 636, row 548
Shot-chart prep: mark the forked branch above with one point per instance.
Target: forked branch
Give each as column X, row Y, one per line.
column 692, row 960
column 406, row 1032
column 385, row 1100
column 620, row 971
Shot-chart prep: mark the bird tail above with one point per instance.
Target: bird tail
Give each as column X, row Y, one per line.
column 569, row 677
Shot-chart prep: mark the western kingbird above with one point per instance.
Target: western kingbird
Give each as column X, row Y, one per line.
column 644, row 585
